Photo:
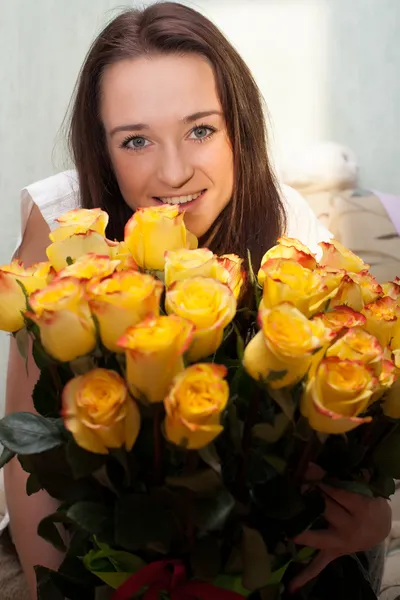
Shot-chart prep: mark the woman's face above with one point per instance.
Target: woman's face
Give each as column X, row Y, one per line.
column 167, row 137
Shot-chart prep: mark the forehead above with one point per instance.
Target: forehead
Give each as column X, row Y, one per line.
column 157, row 89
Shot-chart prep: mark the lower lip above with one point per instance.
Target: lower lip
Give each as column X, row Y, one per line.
column 185, row 205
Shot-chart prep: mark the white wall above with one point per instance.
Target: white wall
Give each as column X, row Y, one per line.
column 329, row 69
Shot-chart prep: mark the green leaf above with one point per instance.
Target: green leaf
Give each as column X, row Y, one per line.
column 33, row 485
column 386, row 456
column 45, row 398
column 40, row 356
column 256, row 560
column 200, row 482
column 47, row 529
column 89, row 516
column 82, row 462
column 253, row 279
column 205, row 557
column 284, row 400
column 232, row 583
column 275, row 376
column 211, row 514
column 23, row 288
column 46, row 587
column 113, row 567
column 239, row 342
column 272, row 433
column 6, row 456
column 210, row 456
column 157, row 274
column 53, row 585
column 356, row 487
column 302, row 556
column 22, row 339
column 382, row 485
column 271, row 592
column 26, row 433
column 278, row 463
column 141, row 522
column 82, row 365
column 56, row 477
column 278, row 498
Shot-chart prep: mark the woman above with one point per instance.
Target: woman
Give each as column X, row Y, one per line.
column 167, row 112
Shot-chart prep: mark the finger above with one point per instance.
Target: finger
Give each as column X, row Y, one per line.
column 314, row 472
column 352, row 502
column 324, row 539
column 313, row 475
column 312, row 571
column 337, row 516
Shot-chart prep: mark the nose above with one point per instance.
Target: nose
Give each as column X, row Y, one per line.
column 175, row 169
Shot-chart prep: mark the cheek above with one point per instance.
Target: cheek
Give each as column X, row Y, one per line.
column 220, row 168
column 132, row 178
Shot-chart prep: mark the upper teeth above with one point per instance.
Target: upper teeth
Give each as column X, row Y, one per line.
column 179, row 199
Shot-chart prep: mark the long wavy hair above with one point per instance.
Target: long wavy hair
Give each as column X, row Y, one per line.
column 254, row 218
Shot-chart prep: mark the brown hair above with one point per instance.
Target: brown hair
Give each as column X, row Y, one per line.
column 254, row 218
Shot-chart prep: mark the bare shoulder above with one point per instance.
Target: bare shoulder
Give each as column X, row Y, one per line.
column 35, row 240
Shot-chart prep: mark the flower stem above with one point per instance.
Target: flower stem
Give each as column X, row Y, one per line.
column 158, row 414
column 246, row 440
column 121, row 455
column 309, row 452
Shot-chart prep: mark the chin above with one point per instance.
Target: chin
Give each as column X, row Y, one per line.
column 197, row 229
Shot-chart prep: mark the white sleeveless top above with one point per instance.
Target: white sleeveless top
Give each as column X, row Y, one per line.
column 60, row 193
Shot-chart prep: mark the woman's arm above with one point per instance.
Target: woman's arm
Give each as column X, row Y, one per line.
column 26, row 512
column 356, row 523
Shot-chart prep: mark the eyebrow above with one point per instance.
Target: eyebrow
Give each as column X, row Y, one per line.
column 188, row 119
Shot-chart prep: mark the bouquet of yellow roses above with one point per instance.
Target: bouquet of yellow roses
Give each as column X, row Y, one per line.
column 176, row 411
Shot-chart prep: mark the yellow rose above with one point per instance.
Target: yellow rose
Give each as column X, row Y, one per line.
column 392, row 289
column 337, row 395
column 349, row 293
column 12, row 297
column 341, row 317
column 386, row 381
column 370, row 288
column 336, row 256
column 231, row 272
column 80, row 220
column 120, row 252
column 123, row 300
column 61, row 252
column 285, row 344
column 183, row 264
column 287, row 281
column 391, row 401
column 99, row 412
column 358, row 344
column 90, row 266
column 150, row 232
column 288, row 248
column 381, row 318
column 194, row 405
column 62, row 314
column 209, row 304
column 154, row 355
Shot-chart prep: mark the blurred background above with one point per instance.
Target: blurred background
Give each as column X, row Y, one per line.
column 328, row 70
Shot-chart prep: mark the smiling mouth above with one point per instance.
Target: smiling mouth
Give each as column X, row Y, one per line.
column 181, row 200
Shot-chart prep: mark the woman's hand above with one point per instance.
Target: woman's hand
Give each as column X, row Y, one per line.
column 355, row 523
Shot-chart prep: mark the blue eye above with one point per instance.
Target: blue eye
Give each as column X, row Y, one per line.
column 201, row 132
column 136, row 142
